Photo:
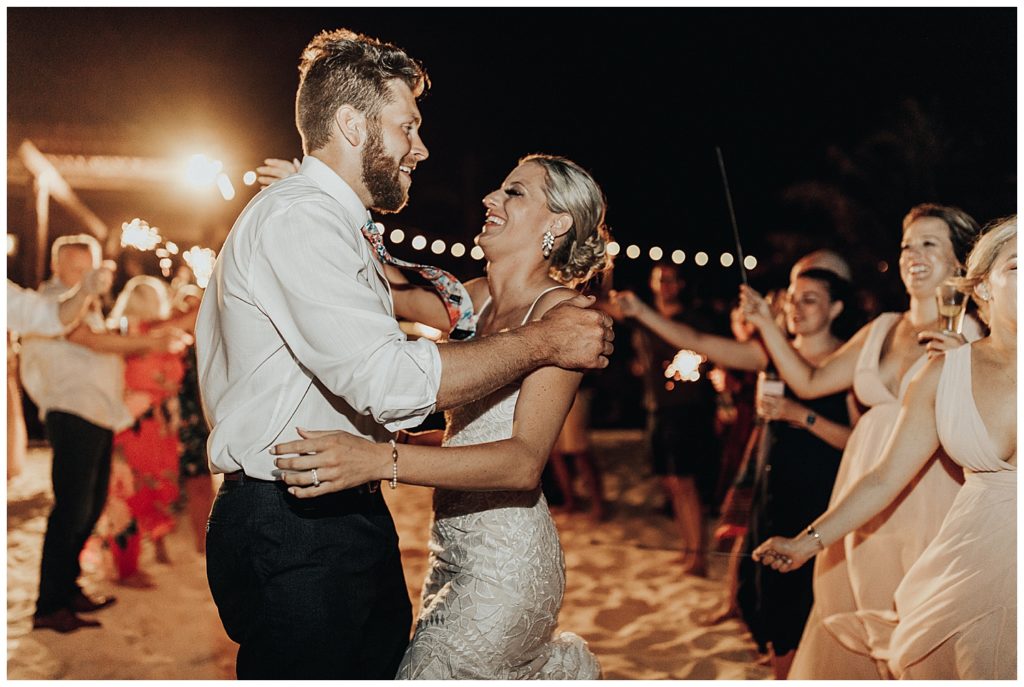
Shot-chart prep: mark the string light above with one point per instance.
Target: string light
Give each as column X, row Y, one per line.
column 701, row 258
column 750, row 262
column 224, row 185
column 655, row 253
column 678, row 257
column 419, row 243
column 458, row 250
column 613, row 248
column 477, row 253
column 437, row 247
column 397, row 236
column 633, row 251
column 726, row 259
column 202, row 171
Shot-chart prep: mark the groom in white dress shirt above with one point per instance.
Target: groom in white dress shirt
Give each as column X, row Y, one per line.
column 297, row 329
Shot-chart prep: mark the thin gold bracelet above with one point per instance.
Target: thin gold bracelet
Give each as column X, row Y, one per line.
column 394, row 466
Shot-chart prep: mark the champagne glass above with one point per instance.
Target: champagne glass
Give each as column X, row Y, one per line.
column 768, row 384
column 951, row 306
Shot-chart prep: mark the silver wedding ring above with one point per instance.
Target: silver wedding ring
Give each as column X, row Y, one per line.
column 316, row 482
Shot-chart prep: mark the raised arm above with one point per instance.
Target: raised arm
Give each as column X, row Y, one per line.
column 314, row 286
column 914, row 440
column 343, row 460
column 721, row 350
column 833, row 375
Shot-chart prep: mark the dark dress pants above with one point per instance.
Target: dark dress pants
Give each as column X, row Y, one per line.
column 309, row 589
column 81, row 476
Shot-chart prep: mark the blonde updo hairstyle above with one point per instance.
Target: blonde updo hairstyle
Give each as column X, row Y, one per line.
column 571, row 190
column 983, row 256
column 122, row 304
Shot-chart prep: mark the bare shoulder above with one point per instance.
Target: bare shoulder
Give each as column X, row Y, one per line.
column 551, row 299
column 478, row 290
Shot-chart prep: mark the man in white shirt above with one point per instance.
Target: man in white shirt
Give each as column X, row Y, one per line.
column 29, row 312
column 78, row 383
column 297, row 329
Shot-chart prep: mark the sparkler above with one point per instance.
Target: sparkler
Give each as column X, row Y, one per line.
column 732, row 216
column 138, row 234
column 200, row 261
column 685, row 366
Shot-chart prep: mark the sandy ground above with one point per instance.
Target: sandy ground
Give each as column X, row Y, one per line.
column 624, row 594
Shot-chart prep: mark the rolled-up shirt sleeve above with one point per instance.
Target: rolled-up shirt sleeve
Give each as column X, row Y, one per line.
column 29, row 312
column 309, row 278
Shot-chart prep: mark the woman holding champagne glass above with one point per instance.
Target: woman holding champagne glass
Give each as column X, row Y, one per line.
column 956, row 609
column 860, row 572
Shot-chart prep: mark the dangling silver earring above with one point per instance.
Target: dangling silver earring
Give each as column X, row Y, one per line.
column 547, row 244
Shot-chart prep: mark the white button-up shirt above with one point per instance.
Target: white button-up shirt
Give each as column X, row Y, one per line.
column 297, row 328
column 65, row 376
column 29, row 312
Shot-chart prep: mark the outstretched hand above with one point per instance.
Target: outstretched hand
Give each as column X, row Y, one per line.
column 627, row 302
column 341, row 460
column 274, row 169
column 781, row 554
column 579, row 337
column 755, row 308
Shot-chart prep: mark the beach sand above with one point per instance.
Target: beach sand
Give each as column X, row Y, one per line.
column 625, row 594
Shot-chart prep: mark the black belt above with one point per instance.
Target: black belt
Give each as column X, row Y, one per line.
column 239, row 476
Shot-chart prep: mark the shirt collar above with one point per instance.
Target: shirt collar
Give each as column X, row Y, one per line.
column 333, row 185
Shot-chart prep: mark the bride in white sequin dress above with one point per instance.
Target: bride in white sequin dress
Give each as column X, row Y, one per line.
column 497, row 574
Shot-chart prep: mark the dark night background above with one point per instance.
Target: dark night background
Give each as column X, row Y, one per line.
column 833, row 122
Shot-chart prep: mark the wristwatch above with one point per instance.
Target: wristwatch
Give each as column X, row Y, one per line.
column 811, row 419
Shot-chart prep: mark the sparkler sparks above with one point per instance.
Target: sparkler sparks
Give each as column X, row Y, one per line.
column 200, row 261
column 138, row 234
column 685, row 366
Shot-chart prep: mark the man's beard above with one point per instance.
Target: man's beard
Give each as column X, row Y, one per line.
column 381, row 175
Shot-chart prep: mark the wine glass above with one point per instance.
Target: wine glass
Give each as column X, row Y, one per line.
column 951, row 306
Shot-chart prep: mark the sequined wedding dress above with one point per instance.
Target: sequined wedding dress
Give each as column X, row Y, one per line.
column 494, row 588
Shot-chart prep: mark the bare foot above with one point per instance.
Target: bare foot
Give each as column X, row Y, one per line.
column 138, row 580
column 719, row 614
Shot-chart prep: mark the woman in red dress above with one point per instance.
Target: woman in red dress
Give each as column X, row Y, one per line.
column 144, row 475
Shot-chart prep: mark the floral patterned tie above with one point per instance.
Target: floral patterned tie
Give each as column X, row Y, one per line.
column 453, row 294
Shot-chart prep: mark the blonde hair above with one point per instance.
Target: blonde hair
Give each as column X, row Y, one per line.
column 571, row 190
column 983, row 256
column 121, row 304
column 79, row 241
